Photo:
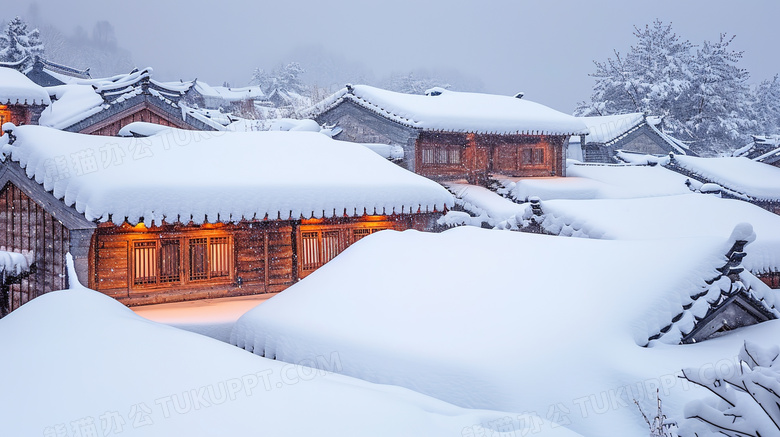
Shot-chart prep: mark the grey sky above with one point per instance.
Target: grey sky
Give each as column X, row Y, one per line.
column 544, row 48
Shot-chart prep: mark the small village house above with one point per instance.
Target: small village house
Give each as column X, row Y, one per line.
column 449, row 135
column 635, row 133
column 104, row 106
column 186, row 215
column 47, row 73
column 21, row 100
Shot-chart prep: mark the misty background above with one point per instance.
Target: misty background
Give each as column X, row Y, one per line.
column 545, row 49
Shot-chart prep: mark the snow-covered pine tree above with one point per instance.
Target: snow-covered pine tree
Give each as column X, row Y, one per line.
column 17, row 43
column 716, row 111
column 702, row 94
column 284, row 78
column 766, row 106
column 649, row 78
column 413, row 83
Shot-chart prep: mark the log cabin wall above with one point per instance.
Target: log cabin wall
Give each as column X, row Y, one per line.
column 771, row 279
column 445, row 155
column 19, row 114
column 138, row 265
column 25, row 227
column 112, row 125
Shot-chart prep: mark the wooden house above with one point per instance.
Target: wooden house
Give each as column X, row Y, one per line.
column 634, row 133
column 47, row 73
column 21, row 100
column 104, row 106
column 449, row 135
column 189, row 214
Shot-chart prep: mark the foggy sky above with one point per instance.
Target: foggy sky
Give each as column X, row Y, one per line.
column 543, row 48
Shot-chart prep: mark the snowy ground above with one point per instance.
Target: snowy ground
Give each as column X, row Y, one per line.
column 210, row 317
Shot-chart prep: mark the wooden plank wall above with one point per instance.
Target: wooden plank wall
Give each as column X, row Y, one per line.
column 263, row 260
column 112, row 128
column 482, row 154
column 25, row 227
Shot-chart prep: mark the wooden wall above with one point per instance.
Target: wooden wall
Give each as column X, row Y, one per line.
column 112, row 126
column 262, row 261
column 772, row 279
column 25, row 227
column 267, row 256
column 446, row 155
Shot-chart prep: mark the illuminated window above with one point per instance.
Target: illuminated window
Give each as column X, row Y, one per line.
column 5, row 117
column 160, row 262
column 144, row 262
column 319, row 247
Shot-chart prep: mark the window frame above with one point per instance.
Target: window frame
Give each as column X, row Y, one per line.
column 441, row 155
column 219, row 250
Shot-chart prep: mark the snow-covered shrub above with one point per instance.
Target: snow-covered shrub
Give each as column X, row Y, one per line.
column 748, row 398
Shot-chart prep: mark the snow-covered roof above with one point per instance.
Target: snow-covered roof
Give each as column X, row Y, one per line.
column 73, row 103
column 61, row 73
column 79, row 100
column 600, row 181
column 606, row 129
column 677, row 216
column 767, row 140
column 182, row 175
column 505, row 320
column 451, row 111
column 764, row 148
column 609, row 129
column 229, row 94
column 17, row 89
column 741, row 176
column 119, row 373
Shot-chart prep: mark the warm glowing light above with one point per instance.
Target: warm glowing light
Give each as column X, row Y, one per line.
column 312, row 221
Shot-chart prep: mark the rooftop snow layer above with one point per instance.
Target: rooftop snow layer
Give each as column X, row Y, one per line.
column 229, row 94
column 81, row 99
column 679, row 216
column 600, row 181
column 182, row 175
column 17, row 89
column 741, row 175
column 453, row 111
column 502, row 320
column 74, row 102
column 608, row 128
